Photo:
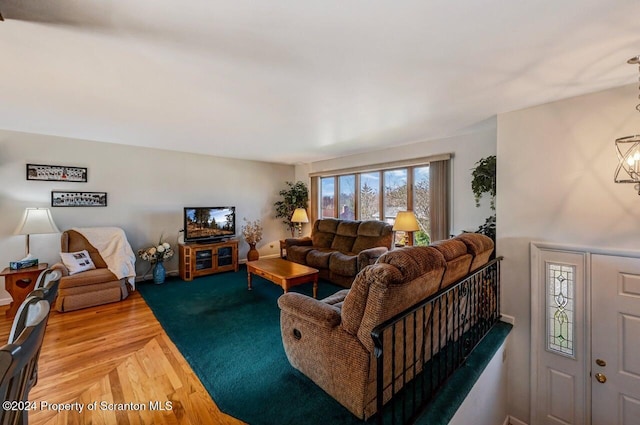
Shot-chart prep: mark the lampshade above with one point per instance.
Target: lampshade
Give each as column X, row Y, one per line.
column 406, row 222
column 300, row 216
column 35, row 221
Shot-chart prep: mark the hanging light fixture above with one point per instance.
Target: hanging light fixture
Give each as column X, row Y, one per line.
column 628, row 170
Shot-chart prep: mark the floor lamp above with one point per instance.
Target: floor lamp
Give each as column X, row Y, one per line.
column 35, row 221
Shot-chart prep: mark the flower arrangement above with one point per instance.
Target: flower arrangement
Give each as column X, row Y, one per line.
column 252, row 231
column 156, row 254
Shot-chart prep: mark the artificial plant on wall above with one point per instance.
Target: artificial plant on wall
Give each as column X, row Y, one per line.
column 296, row 196
column 484, row 182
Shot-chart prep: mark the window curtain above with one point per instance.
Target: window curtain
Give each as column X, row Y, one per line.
column 314, row 195
column 439, row 199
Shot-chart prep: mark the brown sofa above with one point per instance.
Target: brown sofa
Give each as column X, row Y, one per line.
column 88, row 288
column 330, row 340
column 339, row 249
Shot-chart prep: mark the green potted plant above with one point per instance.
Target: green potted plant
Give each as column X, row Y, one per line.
column 295, row 196
column 484, row 181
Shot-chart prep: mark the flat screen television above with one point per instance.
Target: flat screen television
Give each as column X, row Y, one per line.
column 202, row 224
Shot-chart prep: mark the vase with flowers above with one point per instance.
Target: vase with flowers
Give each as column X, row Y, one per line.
column 252, row 233
column 156, row 255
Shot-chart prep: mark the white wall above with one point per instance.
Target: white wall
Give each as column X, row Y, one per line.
column 146, row 189
column 486, row 403
column 466, row 150
column 556, row 164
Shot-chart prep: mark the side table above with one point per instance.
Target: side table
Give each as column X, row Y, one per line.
column 283, row 247
column 19, row 283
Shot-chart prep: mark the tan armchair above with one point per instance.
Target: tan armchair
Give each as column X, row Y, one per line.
column 330, row 340
column 91, row 287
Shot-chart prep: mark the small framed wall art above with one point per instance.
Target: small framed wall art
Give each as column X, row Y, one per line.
column 78, row 199
column 59, row 173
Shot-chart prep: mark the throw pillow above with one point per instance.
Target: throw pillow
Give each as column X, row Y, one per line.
column 77, row 262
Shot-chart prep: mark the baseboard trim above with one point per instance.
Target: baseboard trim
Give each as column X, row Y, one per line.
column 515, row 421
column 509, row 319
column 262, row 257
column 5, row 301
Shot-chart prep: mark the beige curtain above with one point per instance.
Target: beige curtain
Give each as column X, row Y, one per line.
column 313, row 199
column 439, row 199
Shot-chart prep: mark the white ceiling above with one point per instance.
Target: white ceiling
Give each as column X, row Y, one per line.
column 299, row 80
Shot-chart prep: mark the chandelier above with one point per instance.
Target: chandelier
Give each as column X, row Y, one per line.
column 628, row 170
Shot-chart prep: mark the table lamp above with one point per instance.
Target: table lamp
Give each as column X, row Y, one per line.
column 299, row 216
column 35, row 221
column 406, row 222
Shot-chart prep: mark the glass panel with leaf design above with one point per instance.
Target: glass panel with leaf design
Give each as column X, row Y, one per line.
column 560, row 308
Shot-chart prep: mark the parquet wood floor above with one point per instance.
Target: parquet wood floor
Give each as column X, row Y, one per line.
column 119, row 357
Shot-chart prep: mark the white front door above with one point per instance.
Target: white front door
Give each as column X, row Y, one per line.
column 615, row 349
column 559, row 342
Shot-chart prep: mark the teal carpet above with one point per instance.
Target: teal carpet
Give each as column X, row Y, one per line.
column 231, row 338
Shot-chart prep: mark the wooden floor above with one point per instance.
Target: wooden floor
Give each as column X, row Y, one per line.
column 118, row 357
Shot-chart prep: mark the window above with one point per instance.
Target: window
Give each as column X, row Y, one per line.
column 327, row 195
column 347, row 196
column 421, row 204
column 395, row 193
column 370, row 194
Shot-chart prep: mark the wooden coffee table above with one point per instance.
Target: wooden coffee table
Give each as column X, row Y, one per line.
column 286, row 274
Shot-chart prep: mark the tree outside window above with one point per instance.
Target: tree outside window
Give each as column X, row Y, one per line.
column 421, row 204
column 395, row 196
column 370, row 196
column 327, row 197
column 395, row 193
column 347, row 196
column 380, row 195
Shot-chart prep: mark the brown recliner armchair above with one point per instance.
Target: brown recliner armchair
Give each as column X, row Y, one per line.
column 91, row 287
column 330, row 340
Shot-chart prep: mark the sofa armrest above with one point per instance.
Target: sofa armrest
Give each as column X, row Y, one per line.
column 310, row 309
column 62, row 268
column 306, row 241
column 369, row 256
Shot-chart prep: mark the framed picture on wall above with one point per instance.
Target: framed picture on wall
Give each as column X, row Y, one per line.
column 59, row 173
column 78, row 199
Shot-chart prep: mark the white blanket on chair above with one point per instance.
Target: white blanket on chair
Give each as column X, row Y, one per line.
column 114, row 248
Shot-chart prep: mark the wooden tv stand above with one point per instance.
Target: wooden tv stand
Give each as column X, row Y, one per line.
column 202, row 259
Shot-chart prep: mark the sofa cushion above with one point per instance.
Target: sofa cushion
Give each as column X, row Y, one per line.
column 371, row 234
column 345, row 236
column 324, row 231
column 421, row 270
column 298, row 254
column 457, row 258
column 89, row 277
column 479, row 246
column 319, row 258
column 356, row 299
column 414, row 261
column 344, row 264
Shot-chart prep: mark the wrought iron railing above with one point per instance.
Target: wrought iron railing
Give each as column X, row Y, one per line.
column 419, row 349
